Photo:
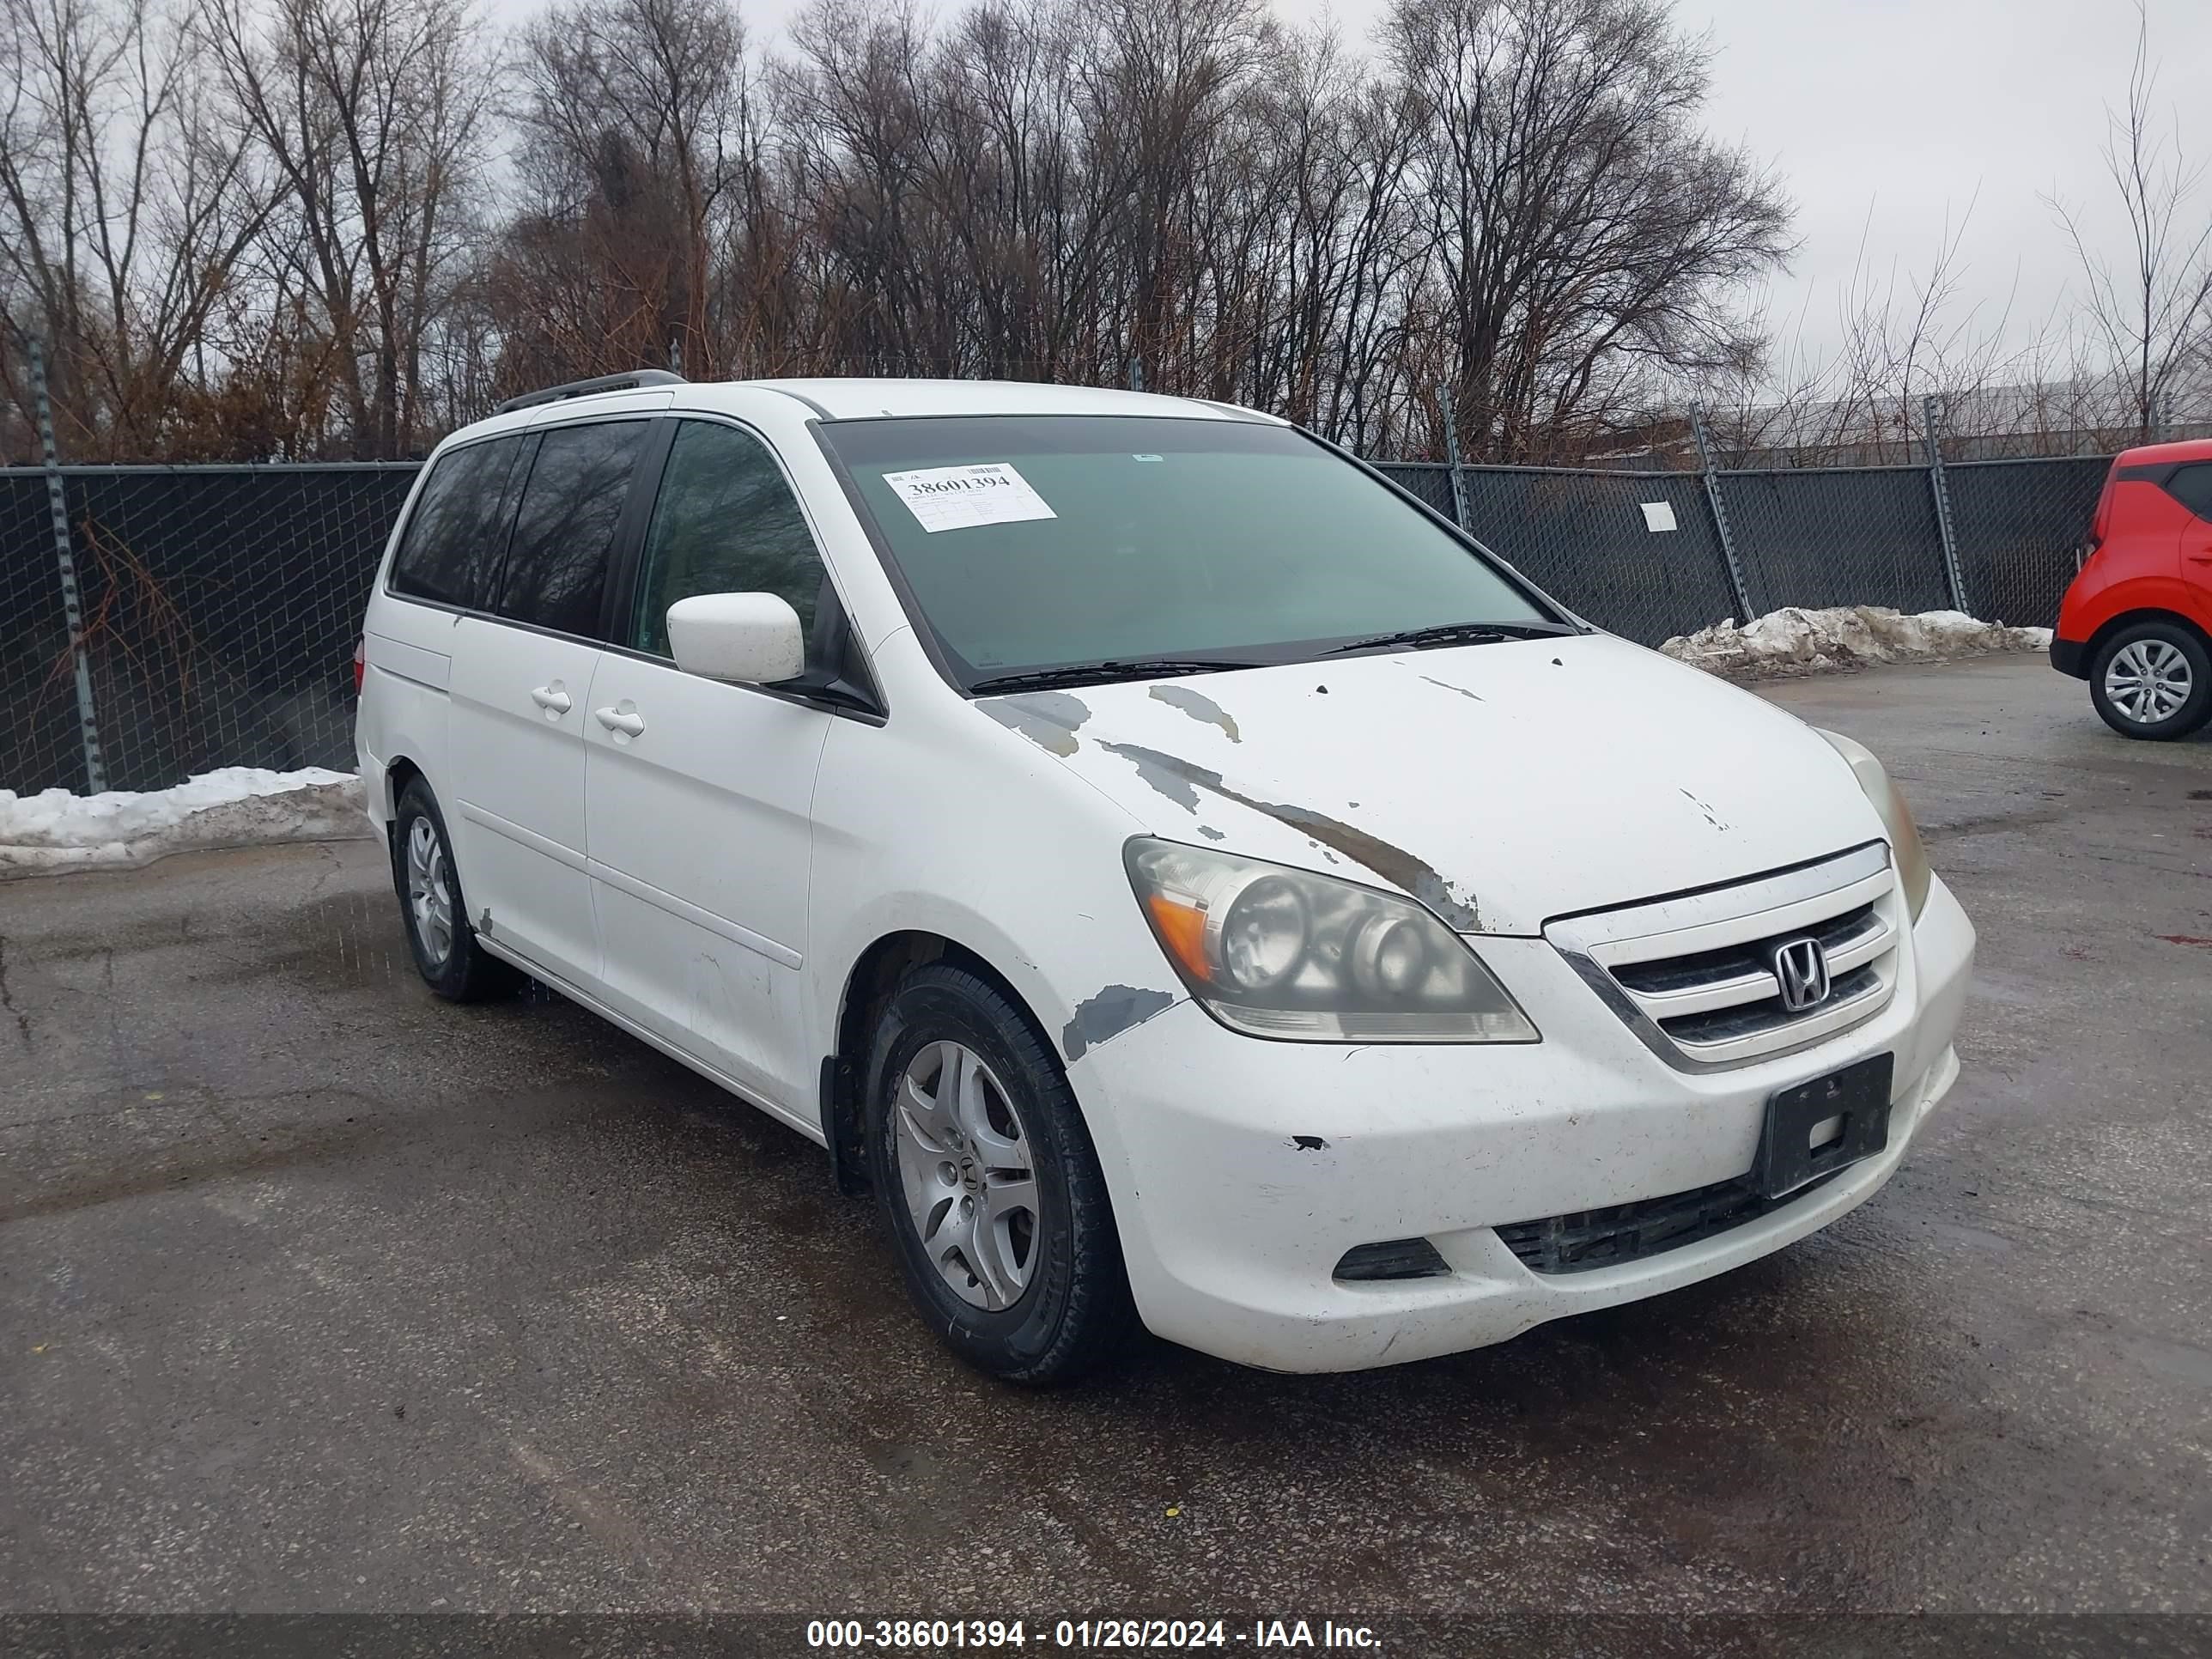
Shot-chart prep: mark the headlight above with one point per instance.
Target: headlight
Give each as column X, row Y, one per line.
column 1278, row 952
column 1912, row 872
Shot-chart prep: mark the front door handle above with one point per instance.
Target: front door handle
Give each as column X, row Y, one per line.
column 624, row 721
column 553, row 699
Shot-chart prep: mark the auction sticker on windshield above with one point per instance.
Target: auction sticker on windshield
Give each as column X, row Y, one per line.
column 961, row 498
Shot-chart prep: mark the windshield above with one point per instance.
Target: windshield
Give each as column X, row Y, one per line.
column 1033, row 542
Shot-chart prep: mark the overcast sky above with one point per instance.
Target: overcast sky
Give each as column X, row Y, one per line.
column 1887, row 117
column 1914, row 110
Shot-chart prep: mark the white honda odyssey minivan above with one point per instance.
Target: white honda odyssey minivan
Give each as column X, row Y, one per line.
column 1185, row 879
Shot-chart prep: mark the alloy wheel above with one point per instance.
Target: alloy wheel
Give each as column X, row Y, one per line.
column 965, row 1166
column 430, row 891
column 2148, row 681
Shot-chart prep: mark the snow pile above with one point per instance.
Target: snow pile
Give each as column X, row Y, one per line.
column 235, row 806
column 1795, row 641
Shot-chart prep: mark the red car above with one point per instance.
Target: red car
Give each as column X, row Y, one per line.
column 2137, row 622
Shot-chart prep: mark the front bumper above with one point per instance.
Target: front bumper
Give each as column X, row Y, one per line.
column 2070, row 657
column 1244, row 1169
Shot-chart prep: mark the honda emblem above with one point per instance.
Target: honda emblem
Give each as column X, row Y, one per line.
column 1800, row 967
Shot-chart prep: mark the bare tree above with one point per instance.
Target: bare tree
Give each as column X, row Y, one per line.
column 1587, row 234
column 638, row 150
column 126, row 203
column 371, row 113
column 1517, row 201
column 2151, row 315
column 1906, row 335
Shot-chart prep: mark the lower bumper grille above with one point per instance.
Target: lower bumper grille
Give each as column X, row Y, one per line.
column 1589, row 1239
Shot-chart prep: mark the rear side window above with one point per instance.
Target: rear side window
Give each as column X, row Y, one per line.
column 2192, row 486
column 726, row 522
column 564, row 530
column 450, row 550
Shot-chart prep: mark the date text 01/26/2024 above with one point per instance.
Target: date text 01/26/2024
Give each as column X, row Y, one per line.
column 943, row 1635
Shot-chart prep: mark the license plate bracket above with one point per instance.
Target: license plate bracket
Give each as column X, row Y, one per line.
column 1816, row 1129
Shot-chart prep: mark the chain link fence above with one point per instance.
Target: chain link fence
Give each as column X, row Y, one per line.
column 40, row 742
column 1650, row 555
column 2018, row 525
column 220, row 603
column 1823, row 539
column 1582, row 536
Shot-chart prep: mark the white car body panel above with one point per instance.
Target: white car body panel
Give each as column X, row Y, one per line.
column 514, row 796
column 711, row 882
column 705, row 935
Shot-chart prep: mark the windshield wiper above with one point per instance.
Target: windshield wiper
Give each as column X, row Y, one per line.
column 1133, row 668
column 1468, row 633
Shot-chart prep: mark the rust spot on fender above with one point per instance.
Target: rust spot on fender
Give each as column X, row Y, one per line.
column 1180, row 781
column 1199, row 707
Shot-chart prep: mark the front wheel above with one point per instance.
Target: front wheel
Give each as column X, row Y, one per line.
column 2153, row 680
column 988, row 1184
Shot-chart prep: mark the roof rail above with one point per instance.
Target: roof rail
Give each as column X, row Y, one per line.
column 554, row 394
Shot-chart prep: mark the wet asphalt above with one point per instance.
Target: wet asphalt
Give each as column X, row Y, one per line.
column 318, row 1294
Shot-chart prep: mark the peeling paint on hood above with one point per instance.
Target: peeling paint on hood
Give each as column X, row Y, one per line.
column 1199, row 707
column 1704, row 807
column 1394, row 864
column 1049, row 719
column 1165, row 773
column 1499, row 784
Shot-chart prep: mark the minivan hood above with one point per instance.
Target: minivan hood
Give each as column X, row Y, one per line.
column 1500, row 784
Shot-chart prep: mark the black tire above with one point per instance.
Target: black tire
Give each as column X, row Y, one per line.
column 1074, row 1312
column 2160, row 638
column 465, row 972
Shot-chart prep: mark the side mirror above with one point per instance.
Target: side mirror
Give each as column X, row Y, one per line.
column 753, row 639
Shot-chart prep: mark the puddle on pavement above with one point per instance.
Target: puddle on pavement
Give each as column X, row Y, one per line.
column 348, row 940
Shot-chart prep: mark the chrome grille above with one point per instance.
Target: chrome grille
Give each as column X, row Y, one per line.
column 1694, row 975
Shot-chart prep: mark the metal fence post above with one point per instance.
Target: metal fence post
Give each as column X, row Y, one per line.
column 1736, row 583
column 1931, row 410
column 1451, row 456
column 95, row 766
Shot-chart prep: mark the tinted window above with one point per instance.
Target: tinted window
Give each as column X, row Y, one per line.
column 450, row 552
column 556, row 570
column 726, row 522
column 1037, row 541
column 2192, row 486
